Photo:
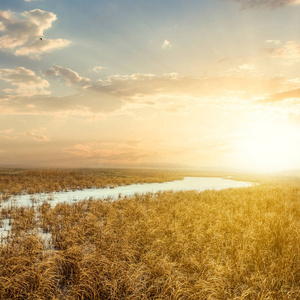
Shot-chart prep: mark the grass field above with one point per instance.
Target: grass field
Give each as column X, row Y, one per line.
column 230, row 244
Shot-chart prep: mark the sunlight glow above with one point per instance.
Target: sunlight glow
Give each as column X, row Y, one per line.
column 269, row 146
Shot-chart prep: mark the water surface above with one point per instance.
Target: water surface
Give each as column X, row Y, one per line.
column 187, row 184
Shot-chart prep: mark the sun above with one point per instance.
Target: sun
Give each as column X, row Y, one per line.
column 269, row 146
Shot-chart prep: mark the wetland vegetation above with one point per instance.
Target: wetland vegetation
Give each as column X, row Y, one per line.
column 19, row 181
column 230, row 244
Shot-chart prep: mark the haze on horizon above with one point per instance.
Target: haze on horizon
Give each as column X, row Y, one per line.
column 212, row 83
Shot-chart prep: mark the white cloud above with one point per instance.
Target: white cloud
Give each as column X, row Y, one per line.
column 70, row 76
column 135, row 76
column 37, row 47
column 122, row 94
column 25, row 81
column 275, row 42
column 246, row 67
column 98, row 69
column 129, row 87
column 166, row 44
column 18, row 32
column 21, row 33
column 37, row 135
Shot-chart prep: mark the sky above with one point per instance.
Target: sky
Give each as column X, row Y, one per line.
column 136, row 83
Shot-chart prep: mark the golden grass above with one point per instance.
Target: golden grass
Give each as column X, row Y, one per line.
column 229, row 244
column 18, row 181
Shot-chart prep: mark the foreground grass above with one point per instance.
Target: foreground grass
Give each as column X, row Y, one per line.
column 230, row 244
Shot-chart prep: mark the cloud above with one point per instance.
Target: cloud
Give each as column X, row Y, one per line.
column 270, row 3
column 27, row 83
column 117, row 93
column 98, row 69
column 140, row 85
column 246, row 67
column 37, row 135
column 166, row 44
column 70, row 76
column 275, row 42
column 37, row 47
column 291, row 94
column 290, row 52
column 21, row 35
column 7, row 134
column 84, row 103
column 19, row 32
column 120, row 153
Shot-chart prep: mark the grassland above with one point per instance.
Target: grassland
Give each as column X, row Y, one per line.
column 20, row 181
column 230, row 244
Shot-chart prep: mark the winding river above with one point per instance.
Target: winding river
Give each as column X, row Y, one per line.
column 187, row 184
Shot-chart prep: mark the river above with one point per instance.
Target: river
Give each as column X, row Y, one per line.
column 187, row 184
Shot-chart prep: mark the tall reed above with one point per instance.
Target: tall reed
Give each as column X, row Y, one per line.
column 229, row 244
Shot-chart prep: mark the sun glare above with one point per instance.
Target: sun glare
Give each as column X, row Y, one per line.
column 269, row 146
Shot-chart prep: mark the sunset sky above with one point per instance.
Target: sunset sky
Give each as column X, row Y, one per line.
column 161, row 83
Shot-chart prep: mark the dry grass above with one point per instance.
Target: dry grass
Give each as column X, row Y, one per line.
column 18, row 181
column 230, row 244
